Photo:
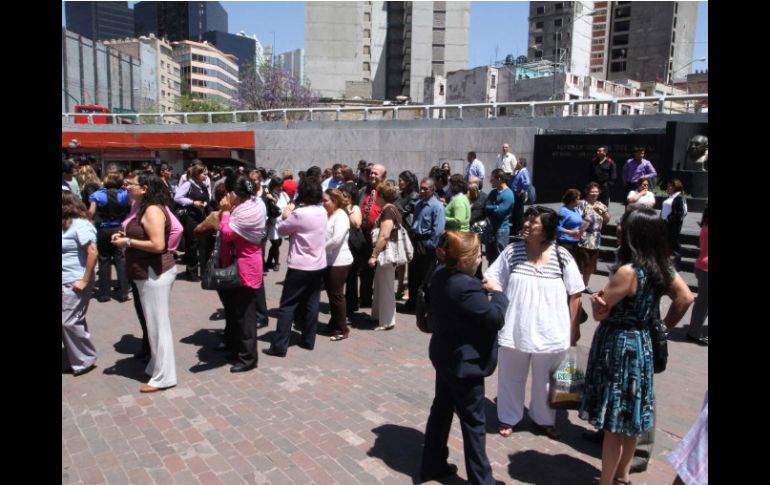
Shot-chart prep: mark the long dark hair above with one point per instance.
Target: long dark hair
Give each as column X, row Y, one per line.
column 645, row 246
column 309, row 191
column 411, row 181
column 157, row 193
column 71, row 208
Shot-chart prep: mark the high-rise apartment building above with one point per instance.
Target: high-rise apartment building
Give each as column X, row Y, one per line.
column 100, row 20
column 160, row 82
column 392, row 46
column 294, row 63
column 644, row 41
column 207, row 72
column 179, row 20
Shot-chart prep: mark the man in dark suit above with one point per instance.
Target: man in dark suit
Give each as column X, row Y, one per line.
column 463, row 351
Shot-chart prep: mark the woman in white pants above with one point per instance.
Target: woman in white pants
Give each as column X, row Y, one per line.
column 151, row 266
column 384, row 298
column 540, row 323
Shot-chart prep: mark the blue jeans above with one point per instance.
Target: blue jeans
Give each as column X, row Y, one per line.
column 494, row 249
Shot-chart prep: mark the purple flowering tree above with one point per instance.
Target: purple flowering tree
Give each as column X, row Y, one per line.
column 271, row 87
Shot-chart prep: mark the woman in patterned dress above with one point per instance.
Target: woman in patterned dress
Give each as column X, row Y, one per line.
column 597, row 214
column 618, row 396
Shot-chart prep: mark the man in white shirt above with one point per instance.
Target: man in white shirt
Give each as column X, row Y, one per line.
column 507, row 162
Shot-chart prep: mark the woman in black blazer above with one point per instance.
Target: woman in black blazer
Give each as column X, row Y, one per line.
column 463, row 350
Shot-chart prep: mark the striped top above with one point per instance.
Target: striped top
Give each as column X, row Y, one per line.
column 537, row 319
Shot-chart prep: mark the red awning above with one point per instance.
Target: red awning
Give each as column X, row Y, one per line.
column 218, row 140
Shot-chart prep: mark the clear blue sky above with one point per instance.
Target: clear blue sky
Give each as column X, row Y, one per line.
column 494, row 25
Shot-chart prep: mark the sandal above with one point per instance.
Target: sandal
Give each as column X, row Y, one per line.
column 504, row 430
column 337, row 338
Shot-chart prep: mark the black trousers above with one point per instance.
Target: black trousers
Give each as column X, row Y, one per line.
column 604, row 195
column 231, row 318
column 334, row 281
column 351, row 286
column 273, row 253
column 140, row 316
column 418, row 267
column 466, row 397
column 109, row 254
column 517, row 214
column 365, row 273
column 300, row 288
column 244, row 302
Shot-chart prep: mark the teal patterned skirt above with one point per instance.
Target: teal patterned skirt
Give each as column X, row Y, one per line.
column 618, row 395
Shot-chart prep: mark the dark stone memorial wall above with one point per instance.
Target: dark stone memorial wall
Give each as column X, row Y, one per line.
column 563, row 162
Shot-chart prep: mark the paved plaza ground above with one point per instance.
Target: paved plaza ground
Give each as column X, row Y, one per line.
column 347, row 412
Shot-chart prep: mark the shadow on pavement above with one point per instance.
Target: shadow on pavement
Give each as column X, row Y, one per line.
column 128, row 344
column 208, row 358
column 130, row 368
column 398, row 447
column 545, row 469
column 361, row 321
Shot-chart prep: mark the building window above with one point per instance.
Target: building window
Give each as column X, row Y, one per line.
column 558, row 6
column 598, row 55
column 618, row 54
column 676, row 7
column 673, row 36
column 557, row 23
column 672, row 51
column 600, row 26
column 494, row 81
column 538, row 25
column 366, row 66
column 539, row 39
column 622, row 26
column 539, row 10
column 674, row 22
column 440, row 89
column 367, row 34
column 622, row 12
column 367, row 50
column 163, row 93
column 597, row 69
column 598, row 41
column 539, row 54
column 620, row 39
column 367, row 17
column 162, row 79
column 618, row 66
column 557, row 36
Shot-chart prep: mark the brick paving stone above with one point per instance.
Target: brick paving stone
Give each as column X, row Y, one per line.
column 348, row 412
column 92, row 476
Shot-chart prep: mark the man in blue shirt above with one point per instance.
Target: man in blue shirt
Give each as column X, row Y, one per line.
column 427, row 227
column 336, row 178
column 520, row 186
column 475, row 168
column 498, row 210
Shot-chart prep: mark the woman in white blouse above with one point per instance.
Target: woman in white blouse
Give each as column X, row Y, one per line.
column 338, row 260
column 543, row 286
column 642, row 194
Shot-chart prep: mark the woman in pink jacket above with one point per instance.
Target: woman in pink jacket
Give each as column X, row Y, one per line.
column 305, row 225
column 242, row 227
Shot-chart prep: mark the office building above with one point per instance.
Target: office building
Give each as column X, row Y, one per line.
column 388, row 48
column 294, row 63
column 178, row 21
column 99, row 20
column 207, row 72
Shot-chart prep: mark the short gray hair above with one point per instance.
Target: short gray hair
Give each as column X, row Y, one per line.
column 430, row 181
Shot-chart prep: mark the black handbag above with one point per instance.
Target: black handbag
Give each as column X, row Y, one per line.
column 423, row 314
column 658, row 336
column 217, row 278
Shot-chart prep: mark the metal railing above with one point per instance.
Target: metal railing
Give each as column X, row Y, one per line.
column 625, row 106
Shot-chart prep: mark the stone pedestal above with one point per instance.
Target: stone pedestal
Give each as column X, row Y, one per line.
column 695, row 183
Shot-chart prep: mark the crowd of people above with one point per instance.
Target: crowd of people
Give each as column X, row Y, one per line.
column 523, row 312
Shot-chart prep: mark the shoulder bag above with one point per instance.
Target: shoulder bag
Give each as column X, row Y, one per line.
column 217, row 278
